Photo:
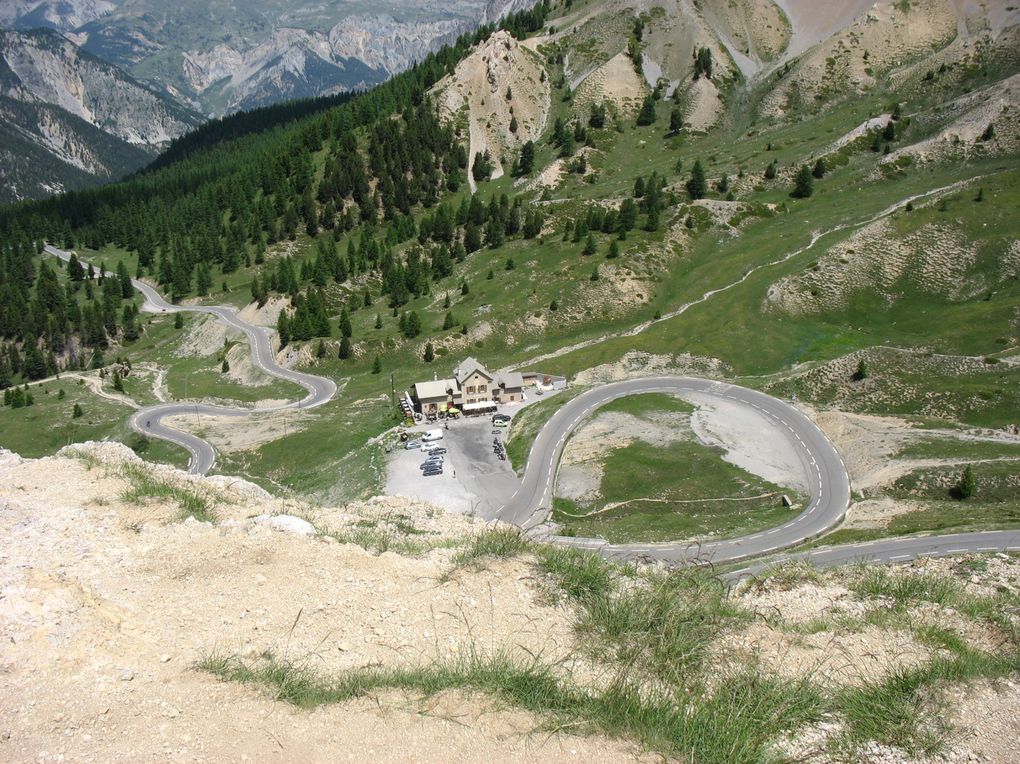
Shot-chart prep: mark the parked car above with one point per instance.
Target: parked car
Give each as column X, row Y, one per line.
column 412, row 444
column 539, row 391
column 500, row 418
column 432, row 435
column 437, row 451
column 431, row 472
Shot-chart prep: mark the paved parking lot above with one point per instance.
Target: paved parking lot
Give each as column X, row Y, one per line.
column 474, row 480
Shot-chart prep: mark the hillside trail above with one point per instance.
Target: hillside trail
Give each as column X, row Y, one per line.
column 816, row 236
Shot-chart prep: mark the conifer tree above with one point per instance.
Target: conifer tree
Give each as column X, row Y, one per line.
column 803, row 184
column 647, row 114
column 697, row 185
column 346, row 351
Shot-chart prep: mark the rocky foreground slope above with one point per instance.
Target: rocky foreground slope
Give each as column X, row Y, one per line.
column 109, row 600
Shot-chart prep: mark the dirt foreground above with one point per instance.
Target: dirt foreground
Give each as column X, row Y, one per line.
column 106, row 606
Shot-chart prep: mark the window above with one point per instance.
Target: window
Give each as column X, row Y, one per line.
column 471, row 388
column 481, row 388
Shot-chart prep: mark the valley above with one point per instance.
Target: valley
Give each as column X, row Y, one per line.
column 773, row 251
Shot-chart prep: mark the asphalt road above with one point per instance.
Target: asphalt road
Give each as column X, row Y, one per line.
column 893, row 550
column 148, row 421
column 828, row 482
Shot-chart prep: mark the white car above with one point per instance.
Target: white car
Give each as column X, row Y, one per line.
column 412, row 444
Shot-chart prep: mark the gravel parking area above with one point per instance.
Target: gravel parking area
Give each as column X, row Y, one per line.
column 474, row 480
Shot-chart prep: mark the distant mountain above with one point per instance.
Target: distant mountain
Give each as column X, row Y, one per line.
column 219, row 57
column 68, row 119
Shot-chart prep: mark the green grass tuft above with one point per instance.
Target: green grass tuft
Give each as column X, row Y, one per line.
column 145, row 485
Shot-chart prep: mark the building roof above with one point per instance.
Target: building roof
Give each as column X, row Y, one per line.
column 439, row 388
column 510, row 379
column 467, row 367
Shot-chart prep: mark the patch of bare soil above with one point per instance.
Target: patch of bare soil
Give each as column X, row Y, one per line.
column 204, row 337
column 877, row 513
column 866, row 443
column 107, row 605
column 267, row 315
column 804, row 603
column 848, row 657
column 615, row 82
column 962, row 123
column 231, row 434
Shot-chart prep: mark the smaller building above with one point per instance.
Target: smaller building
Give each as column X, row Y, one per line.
column 509, row 386
column 437, row 395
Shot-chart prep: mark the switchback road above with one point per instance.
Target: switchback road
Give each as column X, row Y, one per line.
column 828, row 488
column 148, row 420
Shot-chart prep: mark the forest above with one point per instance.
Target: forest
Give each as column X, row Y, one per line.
column 225, row 193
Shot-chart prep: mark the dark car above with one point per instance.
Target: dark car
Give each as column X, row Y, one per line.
column 436, row 451
column 431, row 472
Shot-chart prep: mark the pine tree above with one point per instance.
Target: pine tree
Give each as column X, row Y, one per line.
column 819, row 169
column 76, row 412
column 346, row 351
column 526, row 162
column 589, row 246
column 377, row 365
column 127, row 291
column 770, row 171
column 346, row 330
column 647, row 114
column 676, row 121
column 614, row 250
column 178, row 321
column 861, row 372
column 703, row 63
column 804, row 184
column 430, row 353
column 554, row 305
column 697, row 186
column 378, row 321
column 118, row 383
column 448, row 322
column 595, row 274
column 225, row 366
column 966, row 487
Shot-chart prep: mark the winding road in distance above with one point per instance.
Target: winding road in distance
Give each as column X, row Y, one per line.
column 148, row 421
column 529, row 507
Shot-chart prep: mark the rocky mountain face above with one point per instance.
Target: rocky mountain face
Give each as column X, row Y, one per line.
column 73, row 111
column 218, row 57
column 70, row 120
